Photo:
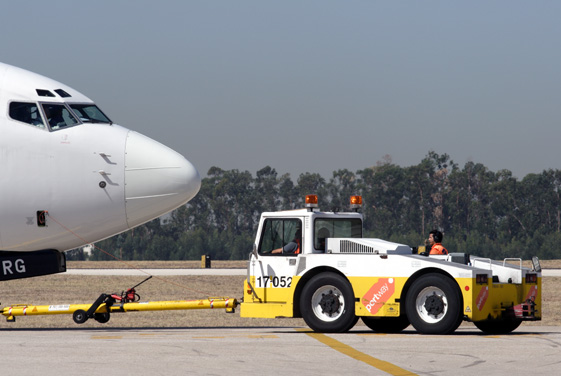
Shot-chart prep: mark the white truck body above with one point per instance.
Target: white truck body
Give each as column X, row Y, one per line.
column 384, row 283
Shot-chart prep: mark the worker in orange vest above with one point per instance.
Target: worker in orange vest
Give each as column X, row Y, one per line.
column 435, row 241
column 292, row 247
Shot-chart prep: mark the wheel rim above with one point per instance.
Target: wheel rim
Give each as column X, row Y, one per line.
column 431, row 304
column 328, row 303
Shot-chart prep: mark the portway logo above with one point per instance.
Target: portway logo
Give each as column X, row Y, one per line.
column 378, row 294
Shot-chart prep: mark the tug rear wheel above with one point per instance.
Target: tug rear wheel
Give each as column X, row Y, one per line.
column 434, row 304
column 501, row 326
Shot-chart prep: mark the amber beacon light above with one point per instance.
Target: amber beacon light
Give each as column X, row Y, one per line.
column 311, row 201
column 356, row 202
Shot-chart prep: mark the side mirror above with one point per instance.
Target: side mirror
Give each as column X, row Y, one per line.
column 254, row 252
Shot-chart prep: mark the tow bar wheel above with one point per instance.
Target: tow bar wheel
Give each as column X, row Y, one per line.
column 327, row 304
column 434, row 304
column 80, row 316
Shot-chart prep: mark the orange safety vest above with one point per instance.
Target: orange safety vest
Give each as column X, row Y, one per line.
column 297, row 249
column 438, row 249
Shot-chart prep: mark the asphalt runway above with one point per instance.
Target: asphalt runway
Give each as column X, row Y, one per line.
column 157, row 272
column 530, row 350
column 169, row 272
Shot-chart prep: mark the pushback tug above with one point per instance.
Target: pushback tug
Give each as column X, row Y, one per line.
column 334, row 276
column 337, row 277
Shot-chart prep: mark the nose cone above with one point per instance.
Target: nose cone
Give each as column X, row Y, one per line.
column 157, row 179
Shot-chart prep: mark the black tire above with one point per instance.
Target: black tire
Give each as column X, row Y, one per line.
column 386, row 324
column 327, row 304
column 80, row 316
column 102, row 318
column 434, row 304
column 500, row 326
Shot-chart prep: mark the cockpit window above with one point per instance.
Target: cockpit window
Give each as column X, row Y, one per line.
column 44, row 93
column 58, row 116
column 89, row 113
column 27, row 113
column 62, row 93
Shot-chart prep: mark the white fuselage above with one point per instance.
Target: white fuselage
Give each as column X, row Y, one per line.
column 93, row 178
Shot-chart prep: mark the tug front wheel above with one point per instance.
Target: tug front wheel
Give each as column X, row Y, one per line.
column 327, row 304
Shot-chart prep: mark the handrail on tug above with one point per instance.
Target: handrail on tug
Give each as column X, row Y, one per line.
column 253, row 253
column 513, row 259
column 488, row 260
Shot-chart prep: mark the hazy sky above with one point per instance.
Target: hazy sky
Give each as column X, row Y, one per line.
column 310, row 86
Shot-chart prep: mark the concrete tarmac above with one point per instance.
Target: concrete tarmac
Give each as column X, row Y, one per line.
column 275, row 350
column 530, row 350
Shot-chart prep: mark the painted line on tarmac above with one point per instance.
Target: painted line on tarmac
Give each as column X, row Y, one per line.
column 250, row 336
column 382, row 365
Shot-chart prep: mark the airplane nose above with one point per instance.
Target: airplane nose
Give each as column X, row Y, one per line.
column 157, row 179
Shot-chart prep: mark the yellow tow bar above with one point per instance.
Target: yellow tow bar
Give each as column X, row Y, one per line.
column 127, row 301
column 101, row 313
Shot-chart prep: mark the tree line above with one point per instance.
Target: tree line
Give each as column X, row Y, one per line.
column 481, row 212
